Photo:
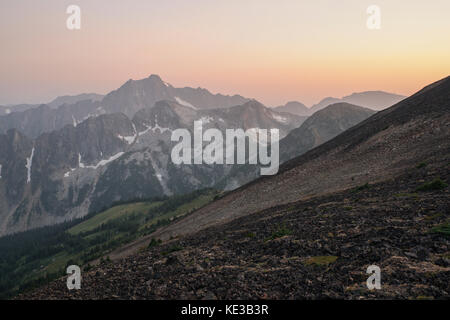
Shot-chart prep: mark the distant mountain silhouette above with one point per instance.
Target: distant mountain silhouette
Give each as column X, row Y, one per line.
column 294, row 107
column 375, row 100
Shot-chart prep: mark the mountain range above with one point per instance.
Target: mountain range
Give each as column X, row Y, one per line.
column 67, row 173
column 117, row 147
column 62, row 163
column 131, row 97
column 134, row 95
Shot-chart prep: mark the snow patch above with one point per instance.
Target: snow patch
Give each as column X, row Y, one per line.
column 206, row 119
column 185, row 103
column 28, row 165
column 279, row 118
column 67, row 174
column 154, row 128
column 161, row 129
column 130, row 139
column 8, row 111
column 101, row 162
column 74, row 121
column 99, row 112
column 127, row 139
column 80, row 164
column 159, row 173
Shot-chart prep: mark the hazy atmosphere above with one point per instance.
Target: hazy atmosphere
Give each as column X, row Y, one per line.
column 256, row 154
column 273, row 51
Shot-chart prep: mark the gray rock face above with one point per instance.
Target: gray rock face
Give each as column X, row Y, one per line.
column 36, row 185
column 5, row 110
column 321, row 127
column 87, row 166
column 315, row 130
column 136, row 95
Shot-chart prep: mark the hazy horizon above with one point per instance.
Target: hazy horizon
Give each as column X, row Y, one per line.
column 272, row 52
column 237, row 93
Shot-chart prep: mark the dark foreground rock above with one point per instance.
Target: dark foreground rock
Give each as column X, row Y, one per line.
column 312, row 249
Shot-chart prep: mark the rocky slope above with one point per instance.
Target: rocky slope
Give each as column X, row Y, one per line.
column 380, row 148
column 376, row 194
column 311, row 249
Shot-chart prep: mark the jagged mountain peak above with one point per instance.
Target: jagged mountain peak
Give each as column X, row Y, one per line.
column 252, row 104
column 155, row 77
column 153, row 81
column 135, row 95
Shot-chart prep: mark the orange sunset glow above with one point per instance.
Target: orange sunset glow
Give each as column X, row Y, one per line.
column 273, row 51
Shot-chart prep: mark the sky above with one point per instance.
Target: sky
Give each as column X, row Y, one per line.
column 273, row 51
